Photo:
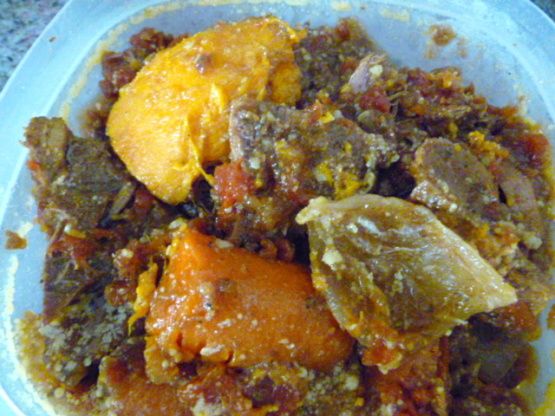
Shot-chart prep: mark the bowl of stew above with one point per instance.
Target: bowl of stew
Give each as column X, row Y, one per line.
column 313, row 208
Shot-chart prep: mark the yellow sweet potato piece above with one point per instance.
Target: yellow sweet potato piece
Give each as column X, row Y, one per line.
column 173, row 116
column 225, row 304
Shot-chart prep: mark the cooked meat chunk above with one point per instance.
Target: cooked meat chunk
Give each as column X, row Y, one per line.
column 48, row 140
column 286, row 157
column 76, row 179
column 449, row 177
column 522, row 202
column 486, row 362
column 89, row 329
column 533, row 285
column 328, row 56
column 306, row 153
column 72, row 265
column 394, row 276
column 455, row 184
column 90, row 207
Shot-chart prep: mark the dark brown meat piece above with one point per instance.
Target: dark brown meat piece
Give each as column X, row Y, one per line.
column 65, row 276
column 76, row 179
column 306, row 153
column 284, row 157
column 328, row 56
column 449, row 177
column 455, row 184
column 90, row 207
column 534, row 286
column 486, row 362
column 522, row 202
column 89, row 329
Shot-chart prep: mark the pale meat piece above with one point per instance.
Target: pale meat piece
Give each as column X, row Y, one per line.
column 394, row 276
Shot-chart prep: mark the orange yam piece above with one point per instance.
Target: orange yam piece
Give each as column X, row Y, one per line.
column 173, row 117
column 226, row 304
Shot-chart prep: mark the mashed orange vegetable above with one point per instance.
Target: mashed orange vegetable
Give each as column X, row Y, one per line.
column 227, row 304
column 173, row 116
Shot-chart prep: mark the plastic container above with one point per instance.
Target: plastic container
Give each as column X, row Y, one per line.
column 507, row 48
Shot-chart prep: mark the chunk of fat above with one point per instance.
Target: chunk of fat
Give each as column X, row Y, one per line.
column 400, row 278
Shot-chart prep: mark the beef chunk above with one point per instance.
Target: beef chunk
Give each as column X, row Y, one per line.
column 485, row 362
column 76, row 179
column 306, row 153
column 328, row 56
column 90, row 207
column 284, row 157
column 65, row 275
column 521, row 201
column 89, row 329
column 48, row 140
column 449, row 177
column 455, row 184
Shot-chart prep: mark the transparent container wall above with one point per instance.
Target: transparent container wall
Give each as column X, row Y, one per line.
column 504, row 48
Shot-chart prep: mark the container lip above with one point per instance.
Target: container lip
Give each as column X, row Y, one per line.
column 20, row 99
column 5, row 399
column 540, row 12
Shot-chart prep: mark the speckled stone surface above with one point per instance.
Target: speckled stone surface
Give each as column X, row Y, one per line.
column 21, row 21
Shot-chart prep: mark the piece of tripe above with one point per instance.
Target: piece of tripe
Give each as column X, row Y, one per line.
column 394, row 276
column 173, row 117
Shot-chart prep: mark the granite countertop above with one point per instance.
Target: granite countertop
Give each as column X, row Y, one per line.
column 21, row 21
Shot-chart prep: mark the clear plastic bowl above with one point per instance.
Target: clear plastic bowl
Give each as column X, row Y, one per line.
column 507, row 48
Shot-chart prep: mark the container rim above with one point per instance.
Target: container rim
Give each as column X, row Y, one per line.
column 26, row 86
